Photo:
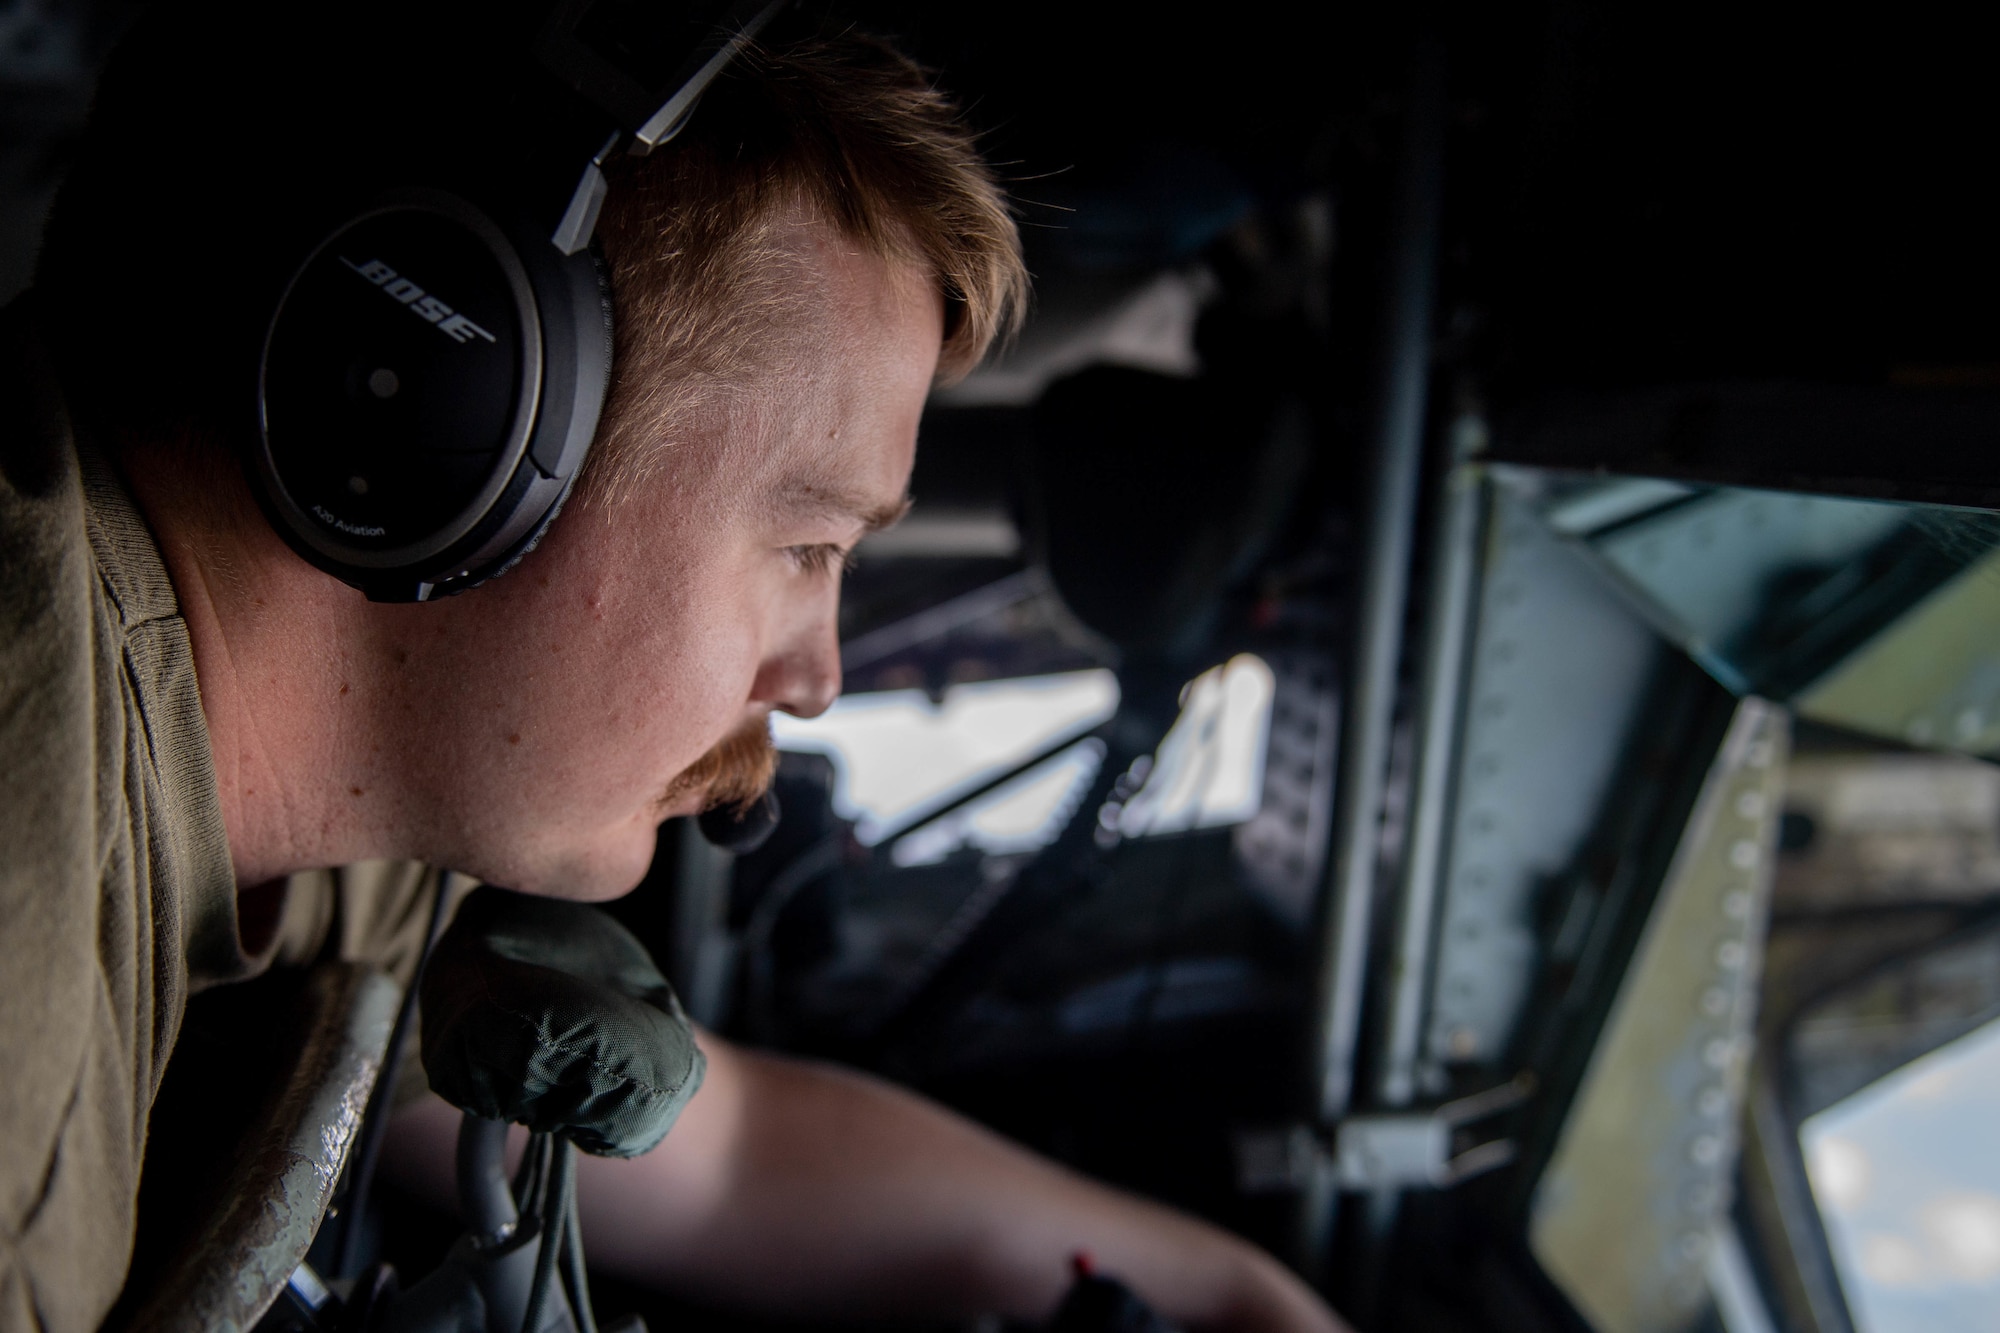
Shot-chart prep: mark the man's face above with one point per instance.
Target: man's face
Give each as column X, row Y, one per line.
column 644, row 632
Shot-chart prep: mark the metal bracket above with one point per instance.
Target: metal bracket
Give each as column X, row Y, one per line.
column 1381, row 1150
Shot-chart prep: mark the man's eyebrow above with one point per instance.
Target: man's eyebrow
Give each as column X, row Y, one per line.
column 835, row 502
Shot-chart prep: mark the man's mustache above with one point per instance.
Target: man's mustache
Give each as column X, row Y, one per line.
column 735, row 772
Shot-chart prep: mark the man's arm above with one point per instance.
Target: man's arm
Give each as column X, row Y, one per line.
column 794, row 1188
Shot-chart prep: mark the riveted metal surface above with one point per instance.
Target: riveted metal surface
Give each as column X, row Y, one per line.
column 1560, row 667
column 1623, row 1218
column 1281, row 850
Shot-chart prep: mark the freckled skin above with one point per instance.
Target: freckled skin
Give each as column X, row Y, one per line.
column 623, row 648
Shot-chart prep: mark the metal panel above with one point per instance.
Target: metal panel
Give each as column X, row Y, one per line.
column 1623, row 1217
column 1281, row 850
column 1932, row 678
column 1560, row 666
column 1440, row 703
column 1705, row 568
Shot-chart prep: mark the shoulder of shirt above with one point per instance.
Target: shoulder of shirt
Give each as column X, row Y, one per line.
column 42, row 453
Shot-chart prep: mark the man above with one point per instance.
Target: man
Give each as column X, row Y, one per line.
column 191, row 713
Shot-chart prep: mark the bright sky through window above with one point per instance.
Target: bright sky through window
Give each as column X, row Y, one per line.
column 895, row 753
column 1210, row 770
column 1019, row 816
column 1907, row 1176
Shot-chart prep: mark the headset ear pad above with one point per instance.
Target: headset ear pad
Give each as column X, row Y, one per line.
column 424, row 401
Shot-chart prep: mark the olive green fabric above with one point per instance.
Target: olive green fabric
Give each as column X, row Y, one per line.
column 551, row 1014
column 372, row 912
column 116, row 892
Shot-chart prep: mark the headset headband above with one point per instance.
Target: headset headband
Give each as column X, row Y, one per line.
column 643, row 66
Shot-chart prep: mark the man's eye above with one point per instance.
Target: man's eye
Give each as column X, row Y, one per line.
column 821, row 558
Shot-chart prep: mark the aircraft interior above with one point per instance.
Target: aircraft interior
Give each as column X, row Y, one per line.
column 1436, row 708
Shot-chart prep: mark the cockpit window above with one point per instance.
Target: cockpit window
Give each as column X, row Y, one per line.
column 1904, row 1170
column 1883, row 991
column 898, row 757
column 897, row 754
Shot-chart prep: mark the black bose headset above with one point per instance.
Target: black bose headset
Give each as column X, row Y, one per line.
column 432, row 375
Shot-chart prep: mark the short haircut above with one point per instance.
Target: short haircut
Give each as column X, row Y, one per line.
column 838, row 125
column 204, row 171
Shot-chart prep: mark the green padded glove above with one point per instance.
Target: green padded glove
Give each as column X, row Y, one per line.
column 551, row 1014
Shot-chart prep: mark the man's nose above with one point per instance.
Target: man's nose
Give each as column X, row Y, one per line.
column 803, row 677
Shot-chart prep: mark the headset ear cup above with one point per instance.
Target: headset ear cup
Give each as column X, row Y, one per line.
column 607, row 311
column 429, row 388
column 594, row 342
column 579, row 325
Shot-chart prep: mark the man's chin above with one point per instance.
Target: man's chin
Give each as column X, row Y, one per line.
column 614, row 859
column 611, row 868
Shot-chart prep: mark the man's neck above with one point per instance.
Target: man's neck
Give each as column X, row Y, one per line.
column 291, row 741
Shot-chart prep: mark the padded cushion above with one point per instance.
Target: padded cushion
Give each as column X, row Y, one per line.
column 551, row 1014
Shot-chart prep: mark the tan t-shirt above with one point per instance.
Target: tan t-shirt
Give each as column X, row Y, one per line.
column 116, row 893
column 117, row 898
column 371, row 912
